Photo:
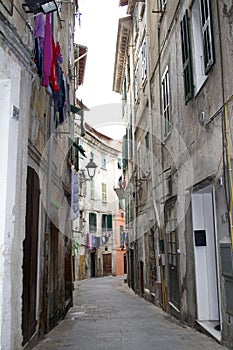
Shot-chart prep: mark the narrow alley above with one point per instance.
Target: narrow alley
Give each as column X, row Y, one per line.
column 108, row 315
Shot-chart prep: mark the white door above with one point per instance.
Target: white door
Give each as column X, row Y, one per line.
column 205, row 256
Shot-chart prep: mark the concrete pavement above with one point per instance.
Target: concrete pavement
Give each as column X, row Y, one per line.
column 108, row 315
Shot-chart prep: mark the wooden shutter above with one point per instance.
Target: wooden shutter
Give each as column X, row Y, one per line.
column 187, row 58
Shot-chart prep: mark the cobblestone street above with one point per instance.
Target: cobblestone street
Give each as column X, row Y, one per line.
column 108, row 315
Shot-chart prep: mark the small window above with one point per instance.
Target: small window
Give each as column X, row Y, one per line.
column 103, row 162
column 92, row 222
column 171, row 236
column 104, row 192
column 144, row 61
column 166, row 102
column 92, row 189
column 135, row 15
column 187, row 57
column 147, row 144
column 136, row 87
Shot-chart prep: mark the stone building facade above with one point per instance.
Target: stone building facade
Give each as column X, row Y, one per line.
column 37, row 79
column 98, row 232
column 173, row 69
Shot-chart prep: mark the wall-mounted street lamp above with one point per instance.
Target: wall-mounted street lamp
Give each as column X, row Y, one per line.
column 37, row 6
column 91, row 169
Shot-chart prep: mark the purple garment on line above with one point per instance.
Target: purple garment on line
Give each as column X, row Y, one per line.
column 39, row 29
column 48, row 52
column 90, row 242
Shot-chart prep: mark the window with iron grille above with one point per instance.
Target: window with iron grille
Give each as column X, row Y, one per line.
column 187, row 57
column 166, row 102
column 171, row 236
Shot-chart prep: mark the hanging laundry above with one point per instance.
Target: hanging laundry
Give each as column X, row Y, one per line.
column 90, row 242
column 74, row 194
column 48, row 51
column 39, row 32
column 53, row 78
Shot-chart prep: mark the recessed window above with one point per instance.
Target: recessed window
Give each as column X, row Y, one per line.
column 204, row 55
column 166, row 102
column 92, row 222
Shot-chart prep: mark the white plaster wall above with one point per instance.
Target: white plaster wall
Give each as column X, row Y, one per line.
column 13, row 157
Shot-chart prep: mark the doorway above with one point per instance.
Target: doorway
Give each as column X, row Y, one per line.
column 205, row 255
column 30, row 261
column 107, row 264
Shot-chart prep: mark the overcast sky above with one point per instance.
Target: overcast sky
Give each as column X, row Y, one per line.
column 98, row 31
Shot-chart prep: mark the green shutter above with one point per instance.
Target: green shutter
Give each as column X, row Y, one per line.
column 187, row 58
column 109, row 222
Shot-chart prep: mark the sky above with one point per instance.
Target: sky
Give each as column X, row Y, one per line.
column 98, row 31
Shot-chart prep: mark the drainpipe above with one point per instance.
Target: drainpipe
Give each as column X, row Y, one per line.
column 150, row 117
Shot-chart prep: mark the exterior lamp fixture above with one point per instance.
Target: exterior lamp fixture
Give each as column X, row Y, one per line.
column 37, row 6
column 91, row 169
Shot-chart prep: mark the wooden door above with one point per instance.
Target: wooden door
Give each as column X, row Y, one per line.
column 107, row 264
column 30, row 251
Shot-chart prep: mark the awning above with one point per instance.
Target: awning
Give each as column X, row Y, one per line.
column 76, row 110
column 80, row 56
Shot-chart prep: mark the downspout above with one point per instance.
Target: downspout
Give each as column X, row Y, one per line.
column 150, row 117
column 227, row 175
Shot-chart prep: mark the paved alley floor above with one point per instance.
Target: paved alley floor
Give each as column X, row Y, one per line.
column 108, row 315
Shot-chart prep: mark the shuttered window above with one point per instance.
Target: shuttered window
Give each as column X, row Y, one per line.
column 104, row 192
column 207, row 35
column 187, row 58
column 106, row 222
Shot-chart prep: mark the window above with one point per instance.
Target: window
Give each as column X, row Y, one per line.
column 104, row 192
column 135, row 15
column 204, row 56
column 187, row 57
column 139, row 165
column 166, row 102
column 147, row 144
column 136, row 84
column 122, row 237
column 103, row 161
column 125, row 151
column 92, row 222
column 207, row 36
column 106, row 222
column 163, row 4
column 144, row 61
column 171, row 236
column 92, row 189
column 82, row 184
